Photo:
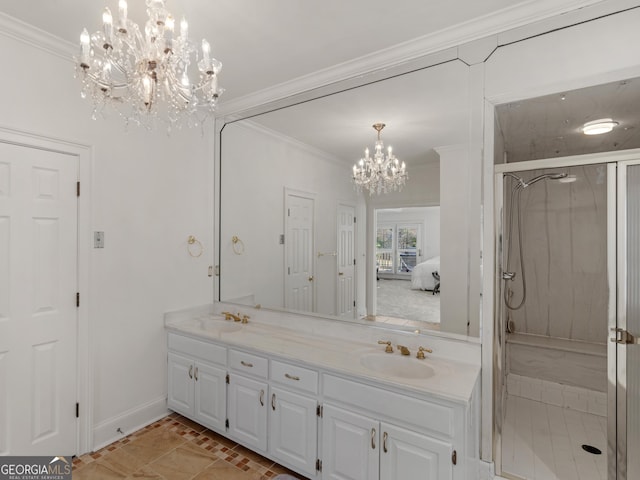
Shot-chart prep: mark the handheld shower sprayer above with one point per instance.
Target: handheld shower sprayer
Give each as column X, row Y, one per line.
column 520, row 185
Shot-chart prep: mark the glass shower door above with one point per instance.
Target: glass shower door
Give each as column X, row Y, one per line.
column 626, row 335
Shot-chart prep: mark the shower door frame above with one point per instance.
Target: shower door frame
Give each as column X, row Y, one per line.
column 616, row 280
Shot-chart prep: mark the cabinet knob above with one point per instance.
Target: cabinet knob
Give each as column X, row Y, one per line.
column 262, row 397
column 273, row 402
column 373, row 438
column 196, row 374
column 190, row 371
column 384, row 441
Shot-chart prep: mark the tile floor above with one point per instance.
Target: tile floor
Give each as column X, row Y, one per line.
column 175, row 448
column 544, row 442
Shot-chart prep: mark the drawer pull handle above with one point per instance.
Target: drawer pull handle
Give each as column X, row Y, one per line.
column 373, row 438
column 190, row 371
column 292, row 377
column 273, row 402
column 384, row 442
column 246, row 364
column 262, row 397
column 196, row 374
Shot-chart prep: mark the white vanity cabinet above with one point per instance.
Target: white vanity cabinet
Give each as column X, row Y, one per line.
column 369, row 432
column 248, row 397
column 361, row 448
column 196, row 380
column 293, row 420
column 320, row 422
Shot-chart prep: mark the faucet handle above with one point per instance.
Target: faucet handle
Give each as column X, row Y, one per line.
column 421, row 350
column 389, row 348
column 245, row 319
column 228, row 315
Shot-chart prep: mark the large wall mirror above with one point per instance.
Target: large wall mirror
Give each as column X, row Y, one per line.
column 287, row 235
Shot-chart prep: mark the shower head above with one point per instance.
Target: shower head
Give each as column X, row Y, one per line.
column 544, row 176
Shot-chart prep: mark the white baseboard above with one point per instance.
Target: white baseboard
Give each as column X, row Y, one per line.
column 106, row 432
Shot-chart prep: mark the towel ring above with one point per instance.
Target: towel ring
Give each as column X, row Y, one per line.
column 238, row 245
column 194, row 247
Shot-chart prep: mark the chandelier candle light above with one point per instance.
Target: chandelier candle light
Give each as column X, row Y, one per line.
column 148, row 75
column 380, row 173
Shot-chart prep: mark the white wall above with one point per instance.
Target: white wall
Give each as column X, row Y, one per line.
column 148, row 193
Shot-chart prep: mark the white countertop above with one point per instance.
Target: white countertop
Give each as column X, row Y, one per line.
column 450, row 380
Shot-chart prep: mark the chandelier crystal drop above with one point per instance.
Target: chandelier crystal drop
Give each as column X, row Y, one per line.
column 380, row 173
column 148, row 74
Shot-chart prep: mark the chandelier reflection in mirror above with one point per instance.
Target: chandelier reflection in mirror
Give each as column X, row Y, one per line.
column 380, row 173
column 148, row 75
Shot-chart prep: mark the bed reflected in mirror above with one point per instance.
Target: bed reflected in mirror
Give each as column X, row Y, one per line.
column 408, row 266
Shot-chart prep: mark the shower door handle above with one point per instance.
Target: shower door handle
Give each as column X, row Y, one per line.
column 623, row 337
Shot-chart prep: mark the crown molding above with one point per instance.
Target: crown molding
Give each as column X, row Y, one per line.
column 509, row 18
column 321, row 154
column 19, row 30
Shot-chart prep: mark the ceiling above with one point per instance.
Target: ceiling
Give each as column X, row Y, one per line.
column 265, row 43
column 421, row 110
column 551, row 126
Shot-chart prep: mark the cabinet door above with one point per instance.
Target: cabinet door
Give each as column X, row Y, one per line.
column 293, row 436
column 210, row 395
column 407, row 454
column 248, row 411
column 180, row 384
column 350, row 444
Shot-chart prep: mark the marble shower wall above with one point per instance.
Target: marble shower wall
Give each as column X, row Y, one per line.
column 564, row 240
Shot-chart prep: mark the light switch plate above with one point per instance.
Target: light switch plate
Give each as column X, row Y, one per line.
column 98, row 239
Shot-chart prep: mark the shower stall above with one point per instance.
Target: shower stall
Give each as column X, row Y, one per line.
column 567, row 381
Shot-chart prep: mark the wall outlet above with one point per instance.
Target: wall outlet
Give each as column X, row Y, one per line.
column 98, row 239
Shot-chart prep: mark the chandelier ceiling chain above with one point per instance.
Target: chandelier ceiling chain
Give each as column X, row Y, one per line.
column 148, row 74
column 380, row 173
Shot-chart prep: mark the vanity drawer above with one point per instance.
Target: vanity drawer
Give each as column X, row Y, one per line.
column 424, row 414
column 196, row 348
column 248, row 363
column 294, row 376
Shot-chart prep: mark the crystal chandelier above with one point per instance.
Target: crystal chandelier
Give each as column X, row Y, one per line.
column 380, row 173
column 148, row 74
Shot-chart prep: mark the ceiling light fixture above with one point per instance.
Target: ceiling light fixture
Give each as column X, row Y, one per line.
column 150, row 73
column 380, row 173
column 597, row 127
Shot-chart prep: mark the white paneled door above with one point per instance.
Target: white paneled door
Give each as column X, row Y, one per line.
column 299, row 240
column 346, row 261
column 38, row 317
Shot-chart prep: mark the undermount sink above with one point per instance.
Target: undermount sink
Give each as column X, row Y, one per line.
column 396, row 365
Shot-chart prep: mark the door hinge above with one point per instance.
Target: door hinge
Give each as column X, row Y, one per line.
column 354, row 261
column 77, row 189
column 354, row 303
column 77, row 410
column 77, row 299
column 319, row 410
column 354, row 219
column 226, row 423
column 318, row 465
column 623, row 337
column 227, row 380
column 454, row 457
